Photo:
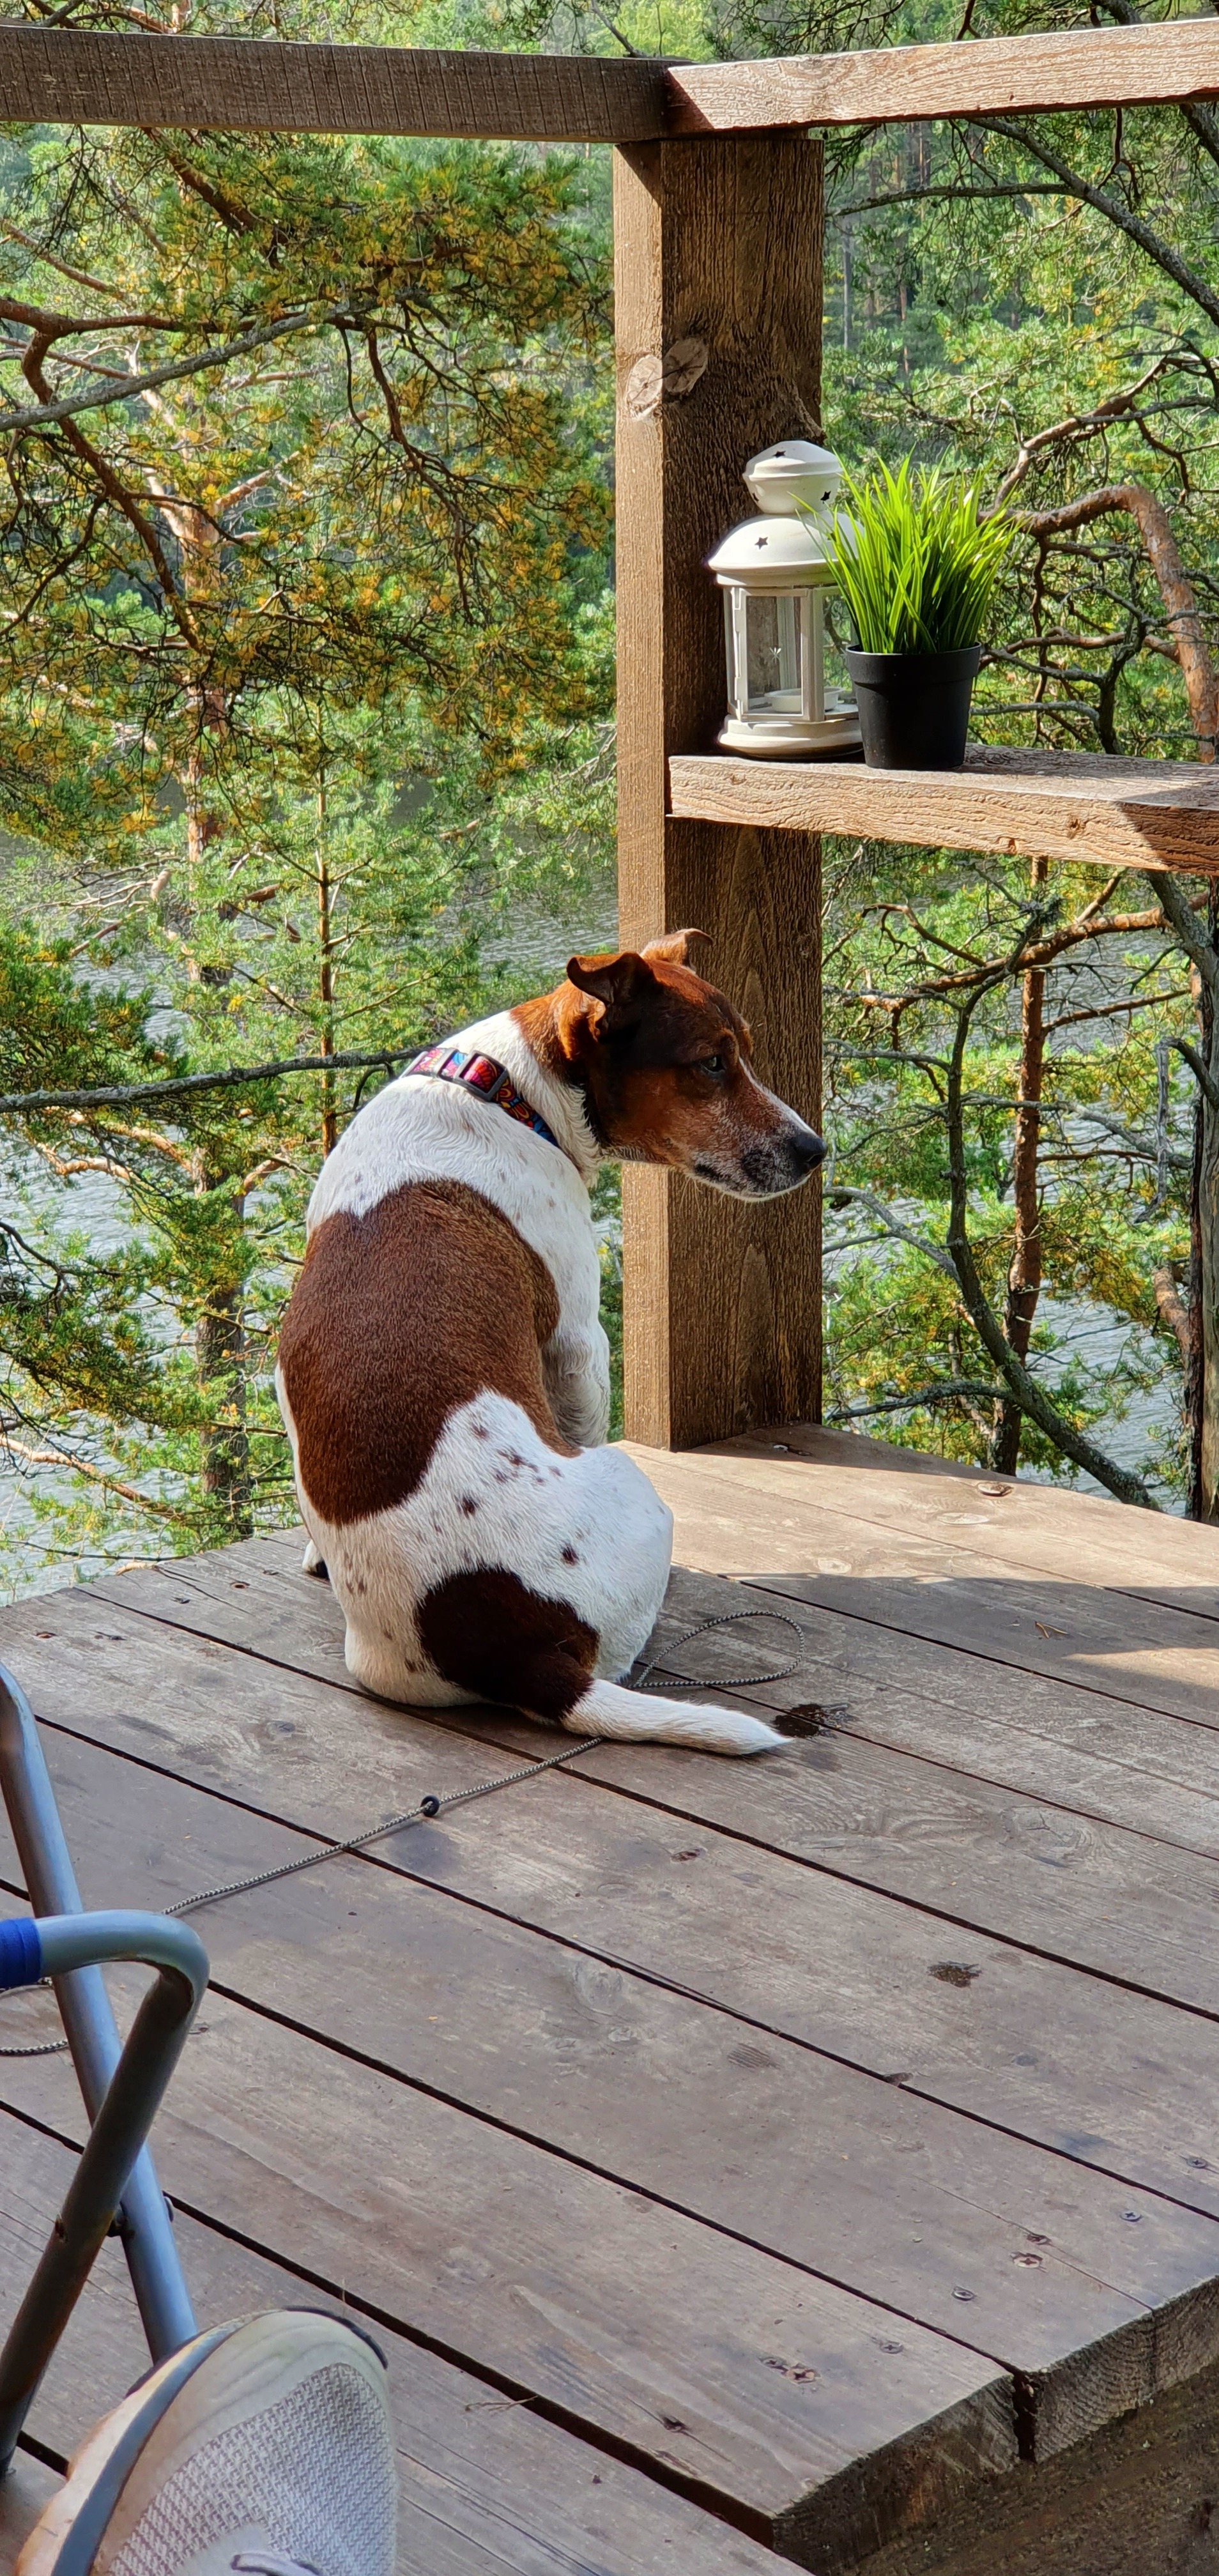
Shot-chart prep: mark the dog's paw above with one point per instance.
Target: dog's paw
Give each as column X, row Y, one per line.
column 312, row 1563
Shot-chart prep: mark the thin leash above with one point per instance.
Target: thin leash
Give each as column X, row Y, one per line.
column 430, row 1807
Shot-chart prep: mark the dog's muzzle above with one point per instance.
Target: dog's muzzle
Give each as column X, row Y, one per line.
column 768, row 1168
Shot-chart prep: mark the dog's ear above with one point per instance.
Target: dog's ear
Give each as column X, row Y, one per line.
column 674, row 949
column 620, row 984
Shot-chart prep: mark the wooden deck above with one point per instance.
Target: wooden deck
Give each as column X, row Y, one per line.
column 819, row 2154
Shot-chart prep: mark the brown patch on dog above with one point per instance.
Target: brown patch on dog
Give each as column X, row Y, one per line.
column 489, row 1633
column 387, row 1332
column 663, row 1060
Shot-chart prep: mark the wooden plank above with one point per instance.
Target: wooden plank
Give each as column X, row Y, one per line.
column 1130, row 1648
column 1089, row 1754
column 1119, row 2083
column 929, row 2214
column 1078, row 67
column 1093, row 811
column 1136, row 2500
column 717, row 254
column 1086, row 1751
column 79, row 76
column 28, row 2487
column 484, row 2485
column 855, row 1803
column 619, row 2316
column 1156, row 1557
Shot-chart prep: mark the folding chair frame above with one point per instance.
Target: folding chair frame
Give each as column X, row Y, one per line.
column 122, row 2087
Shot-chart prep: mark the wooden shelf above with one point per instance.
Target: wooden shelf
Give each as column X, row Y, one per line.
column 1035, row 804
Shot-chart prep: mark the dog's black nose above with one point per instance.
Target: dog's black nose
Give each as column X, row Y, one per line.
column 807, row 1150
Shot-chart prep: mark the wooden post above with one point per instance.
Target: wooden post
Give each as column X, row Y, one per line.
column 718, row 327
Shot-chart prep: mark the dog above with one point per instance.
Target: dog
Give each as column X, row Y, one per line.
column 443, row 1374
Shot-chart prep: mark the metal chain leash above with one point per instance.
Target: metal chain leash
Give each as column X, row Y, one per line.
column 430, row 1807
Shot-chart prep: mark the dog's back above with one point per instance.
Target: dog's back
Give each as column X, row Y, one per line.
column 400, row 1317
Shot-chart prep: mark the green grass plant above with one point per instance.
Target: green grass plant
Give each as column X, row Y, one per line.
column 914, row 562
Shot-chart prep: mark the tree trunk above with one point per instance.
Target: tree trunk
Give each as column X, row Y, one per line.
column 1202, row 1378
column 1024, row 1272
column 1201, row 1395
column 325, row 936
column 220, row 1358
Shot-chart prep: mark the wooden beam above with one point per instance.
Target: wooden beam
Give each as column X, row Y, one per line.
column 1035, row 804
column 73, row 76
column 997, row 75
column 718, row 286
column 78, row 76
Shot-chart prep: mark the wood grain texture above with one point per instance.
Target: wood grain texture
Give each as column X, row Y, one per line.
column 939, row 2217
column 77, row 76
column 23, row 2493
column 1138, row 2499
column 989, row 1727
column 877, row 1802
column 943, row 1589
column 719, row 242
column 1173, row 1561
column 63, row 75
column 616, row 2313
column 483, row 2484
column 1104, row 1900
column 1094, row 67
column 1012, row 2039
column 1040, row 804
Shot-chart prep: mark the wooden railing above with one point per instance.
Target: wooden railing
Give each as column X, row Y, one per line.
column 77, row 76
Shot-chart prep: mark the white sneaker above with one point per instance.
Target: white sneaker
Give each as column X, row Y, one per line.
column 261, row 2449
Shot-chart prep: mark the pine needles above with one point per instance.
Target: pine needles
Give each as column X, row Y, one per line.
column 915, row 565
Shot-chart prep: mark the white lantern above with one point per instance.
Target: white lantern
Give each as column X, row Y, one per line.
column 774, row 574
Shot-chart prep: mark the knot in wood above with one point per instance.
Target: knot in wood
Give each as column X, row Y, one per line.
column 653, row 381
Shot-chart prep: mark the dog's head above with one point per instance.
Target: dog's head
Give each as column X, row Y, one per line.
column 665, row 1065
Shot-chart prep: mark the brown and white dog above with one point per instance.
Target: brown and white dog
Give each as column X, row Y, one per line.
column 443, row 1373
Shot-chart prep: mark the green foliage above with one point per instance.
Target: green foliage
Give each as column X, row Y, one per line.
column 306, row 721
column 916, row 566
column 305, row 711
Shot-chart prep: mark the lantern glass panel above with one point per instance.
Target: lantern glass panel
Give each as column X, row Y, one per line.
column 774, row 656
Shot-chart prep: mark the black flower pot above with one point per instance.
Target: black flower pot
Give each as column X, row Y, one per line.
column 914, row 707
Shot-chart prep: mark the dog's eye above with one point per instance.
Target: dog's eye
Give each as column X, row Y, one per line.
column 715, row 1065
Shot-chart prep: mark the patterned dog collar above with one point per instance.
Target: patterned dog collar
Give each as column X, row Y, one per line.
column 481, row 1073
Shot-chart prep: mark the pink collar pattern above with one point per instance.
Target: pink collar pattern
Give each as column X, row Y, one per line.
column 481, row 1073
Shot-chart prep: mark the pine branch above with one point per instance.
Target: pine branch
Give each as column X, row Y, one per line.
column 188, row 1086
column 943, row 1391
column 1112, row 208
column 1030, row 1396
column 118, row 389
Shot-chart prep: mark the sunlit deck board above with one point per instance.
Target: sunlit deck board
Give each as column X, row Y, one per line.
column 807, row 2137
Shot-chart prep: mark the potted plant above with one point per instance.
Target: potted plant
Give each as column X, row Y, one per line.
column 916, row 566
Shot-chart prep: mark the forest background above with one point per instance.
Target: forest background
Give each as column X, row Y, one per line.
column 306, row 743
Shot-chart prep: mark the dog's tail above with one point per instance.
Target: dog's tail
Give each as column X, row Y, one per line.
column 484, row 1630
column 639, row 1717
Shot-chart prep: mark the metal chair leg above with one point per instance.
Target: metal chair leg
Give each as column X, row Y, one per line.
column 59, row 1948
column 156, row 2274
